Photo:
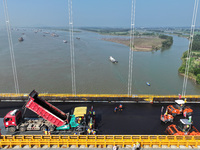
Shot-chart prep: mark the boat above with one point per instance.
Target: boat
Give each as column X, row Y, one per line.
column 20, row 39
column 78, row 38
column 148, row 83
column 113, row 60
column 64, row 41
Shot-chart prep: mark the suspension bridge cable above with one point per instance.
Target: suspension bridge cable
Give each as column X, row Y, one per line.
column 130, row 73
column 189, row 52
column 12, row 55
column 72, row 47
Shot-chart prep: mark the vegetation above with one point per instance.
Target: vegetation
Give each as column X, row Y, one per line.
column 194, row 64
column 168, row 41
column 198, row 79
column 145, row 39
column 196, row 43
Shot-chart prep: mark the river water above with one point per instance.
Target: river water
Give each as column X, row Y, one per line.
column 43, row 64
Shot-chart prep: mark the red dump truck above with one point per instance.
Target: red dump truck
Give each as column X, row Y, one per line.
column 52, row 117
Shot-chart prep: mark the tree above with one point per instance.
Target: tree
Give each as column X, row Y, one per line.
column 196, row 43
column 198, row 79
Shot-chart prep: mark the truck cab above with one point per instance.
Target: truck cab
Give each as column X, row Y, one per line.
column 12, row 119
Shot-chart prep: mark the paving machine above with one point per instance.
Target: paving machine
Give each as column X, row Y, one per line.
column 50, row 118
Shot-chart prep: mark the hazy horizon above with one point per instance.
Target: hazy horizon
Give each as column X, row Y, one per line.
column 104, row 13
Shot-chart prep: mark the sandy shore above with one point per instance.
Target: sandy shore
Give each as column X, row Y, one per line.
column 145, row 44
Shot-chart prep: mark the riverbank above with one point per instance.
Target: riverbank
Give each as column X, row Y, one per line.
column 144, row 43
column 194, row 62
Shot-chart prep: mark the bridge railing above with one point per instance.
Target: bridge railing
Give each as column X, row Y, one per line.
column 100, row 141
column 99, row 97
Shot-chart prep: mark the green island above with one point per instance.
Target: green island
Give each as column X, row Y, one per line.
column 144, row 40
column 194, row 64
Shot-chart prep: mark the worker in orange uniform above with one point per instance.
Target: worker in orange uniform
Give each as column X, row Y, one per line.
column 120, row 107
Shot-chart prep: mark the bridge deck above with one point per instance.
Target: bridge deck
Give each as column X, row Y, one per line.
column 135, row 119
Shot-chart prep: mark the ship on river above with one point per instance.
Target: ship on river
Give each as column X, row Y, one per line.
column 20, row 39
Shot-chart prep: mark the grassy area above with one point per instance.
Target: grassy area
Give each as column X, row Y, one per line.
column 141, row 43
column 144, row 40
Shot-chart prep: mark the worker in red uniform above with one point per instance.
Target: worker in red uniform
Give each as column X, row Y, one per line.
column 120, row 107
column 49, row 132
column 179, row 96
column 91, row 108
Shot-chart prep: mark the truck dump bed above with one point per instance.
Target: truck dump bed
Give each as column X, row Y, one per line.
column 46, row 110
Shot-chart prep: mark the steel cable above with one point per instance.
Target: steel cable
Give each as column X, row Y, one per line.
column 72, row 47
column 12, row 55
column 189, row 52
column 130, row 73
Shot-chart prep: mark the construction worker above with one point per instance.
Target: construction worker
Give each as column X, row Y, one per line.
column 190, row 118
column 114, row 147
column 137, row 145
column 94, row 113
column 120, row 107
column 185, row 114
column 90, row 113
column 134, row 148
column 93, row 132
column 79, row 120
column 179, row 96
column 45, row 132
column 115, row 109
column 165, row 116
column 90, row 125
column 88, row 131
column 185, row 100
column 91, row 108
column 49, row 133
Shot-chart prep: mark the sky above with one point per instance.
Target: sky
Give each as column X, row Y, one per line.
column 99, row 13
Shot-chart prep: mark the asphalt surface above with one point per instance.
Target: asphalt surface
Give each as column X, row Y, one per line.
column 135, row 119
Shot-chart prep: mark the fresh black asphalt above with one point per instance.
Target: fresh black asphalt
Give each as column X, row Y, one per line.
column 135, row 119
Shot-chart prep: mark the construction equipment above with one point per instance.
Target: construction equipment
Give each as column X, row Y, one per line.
column 165, row 117
column 179, row 108
column 185, row 127
column 51, row 117
column 80, row 121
